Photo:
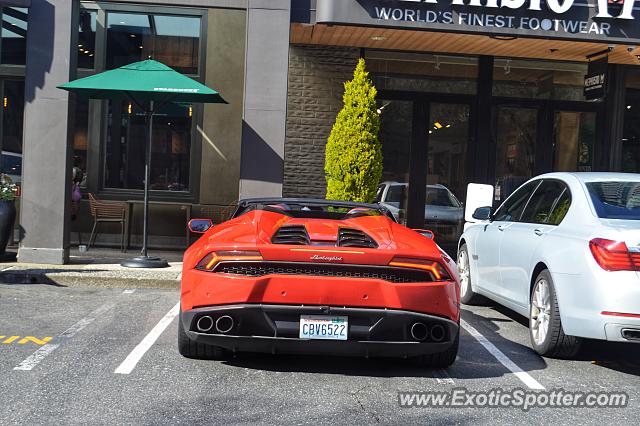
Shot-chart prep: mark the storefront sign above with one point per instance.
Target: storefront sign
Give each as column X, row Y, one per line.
column 595, row 82
column 588, row 20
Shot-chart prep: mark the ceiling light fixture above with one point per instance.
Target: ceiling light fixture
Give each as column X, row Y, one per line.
column 378, row 38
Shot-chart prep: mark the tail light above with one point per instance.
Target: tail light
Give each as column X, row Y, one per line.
column 614, row 255
column 212, row 259
column 439, row 272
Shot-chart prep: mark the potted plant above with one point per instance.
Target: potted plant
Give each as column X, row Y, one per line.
column 7, row 212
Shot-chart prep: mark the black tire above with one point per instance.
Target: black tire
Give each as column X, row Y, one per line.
column 190, row 349
column 556, row 343
column 467, row 296
column 440, row 359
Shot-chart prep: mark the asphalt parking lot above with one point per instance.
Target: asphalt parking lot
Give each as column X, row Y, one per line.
column 109, row 356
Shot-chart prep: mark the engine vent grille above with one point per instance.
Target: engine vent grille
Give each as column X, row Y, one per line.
column 292, row 234
column 387, row 273
column 348, row 237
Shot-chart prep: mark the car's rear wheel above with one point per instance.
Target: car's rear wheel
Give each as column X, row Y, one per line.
column 190, row 349
column 467, row 296
column 440, row 359
column 545, row 326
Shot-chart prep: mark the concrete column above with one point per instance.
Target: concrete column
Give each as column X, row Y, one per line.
column 265, row 98
column 46, row 189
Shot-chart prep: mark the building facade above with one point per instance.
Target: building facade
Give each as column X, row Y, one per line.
column 491, row 91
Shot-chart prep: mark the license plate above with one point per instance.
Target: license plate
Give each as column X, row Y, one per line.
column 323, row 327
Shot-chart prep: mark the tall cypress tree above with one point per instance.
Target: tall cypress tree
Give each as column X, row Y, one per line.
column 353, row 159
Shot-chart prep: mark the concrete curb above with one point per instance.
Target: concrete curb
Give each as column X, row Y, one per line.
column 93, row 275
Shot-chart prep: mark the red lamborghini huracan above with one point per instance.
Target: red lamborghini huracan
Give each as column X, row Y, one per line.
column 316, row 276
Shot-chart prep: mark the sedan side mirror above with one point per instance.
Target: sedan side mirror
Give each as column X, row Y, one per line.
column 200, row 226
column 425, row 233
column 482, row 213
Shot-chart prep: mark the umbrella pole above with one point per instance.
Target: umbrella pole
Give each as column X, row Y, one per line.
column 147, row 176
column 146, row 261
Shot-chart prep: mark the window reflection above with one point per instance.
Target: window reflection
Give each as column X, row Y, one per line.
column 80, row 141
column 539, row 79
column 172, row 40
column 515, row 148
column 12, row 113
column 14, row 35
column 87, row 39
column 170, row 153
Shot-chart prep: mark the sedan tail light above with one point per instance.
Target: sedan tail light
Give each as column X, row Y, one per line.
column 614, row 255
column 212, row 259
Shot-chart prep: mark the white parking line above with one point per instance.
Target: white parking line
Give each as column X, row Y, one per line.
column 443, row 378
column 529, row 381
column 35, row 358
column 138, row 352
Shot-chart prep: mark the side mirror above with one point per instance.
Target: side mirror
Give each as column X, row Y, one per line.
column 200, row 226
column 425, row 233
column 482, row 213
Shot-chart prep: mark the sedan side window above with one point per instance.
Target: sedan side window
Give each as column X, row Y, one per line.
column 512, row 208
column 543, row 201
column 561, row 208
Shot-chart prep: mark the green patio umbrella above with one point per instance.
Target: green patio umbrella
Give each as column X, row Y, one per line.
column 150, row 85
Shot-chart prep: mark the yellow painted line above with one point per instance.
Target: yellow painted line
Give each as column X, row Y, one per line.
column 26, row 339
column 35, row 340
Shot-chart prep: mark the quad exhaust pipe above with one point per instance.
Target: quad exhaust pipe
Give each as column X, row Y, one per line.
column 222, row 325
column 419, row 331
column 204, row 323
column 438, row 333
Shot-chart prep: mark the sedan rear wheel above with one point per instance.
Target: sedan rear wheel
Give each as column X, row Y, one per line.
column 467, row 296
column 545, row 325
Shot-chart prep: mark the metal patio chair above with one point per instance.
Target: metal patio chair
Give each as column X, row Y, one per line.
column 110, row 212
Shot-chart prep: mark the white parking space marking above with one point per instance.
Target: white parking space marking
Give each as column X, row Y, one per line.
column 35, row 358
column 529, row 381
column 443, row 378
column 138, row 352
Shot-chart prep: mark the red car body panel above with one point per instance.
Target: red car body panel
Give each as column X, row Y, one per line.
column 253, row 231
column 207, row 291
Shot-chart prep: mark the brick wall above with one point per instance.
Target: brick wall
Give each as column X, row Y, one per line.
column 316, row 77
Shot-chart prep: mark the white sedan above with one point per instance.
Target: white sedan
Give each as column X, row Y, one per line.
column 563, row 250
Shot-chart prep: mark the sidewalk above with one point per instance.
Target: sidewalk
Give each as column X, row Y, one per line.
column 96, row 268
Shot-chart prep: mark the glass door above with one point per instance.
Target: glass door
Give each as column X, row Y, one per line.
column 574, row 136
column 516, row 132
column 447, row 142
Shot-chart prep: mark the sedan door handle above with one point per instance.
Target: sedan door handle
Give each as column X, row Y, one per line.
column 501, row 227
column 538, row 232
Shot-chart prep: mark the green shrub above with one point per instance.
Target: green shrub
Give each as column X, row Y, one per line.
column 353, row 159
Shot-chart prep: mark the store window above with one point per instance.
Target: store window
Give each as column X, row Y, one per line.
column 87, row 39
column 172, row 40
column 13, row 49
column 12, row 116
column 515, row 78
column 395, row 135
column 422, row 72
column 631, row 131
column 516, row 135
column 81, row 140
column 170, row 151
